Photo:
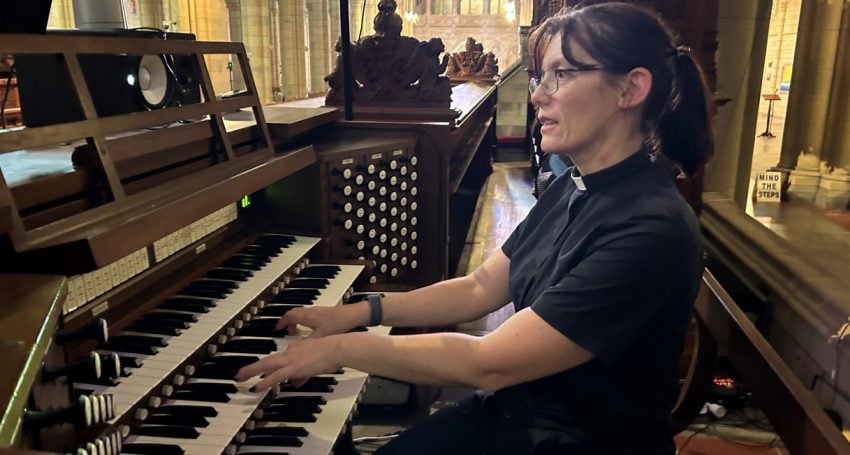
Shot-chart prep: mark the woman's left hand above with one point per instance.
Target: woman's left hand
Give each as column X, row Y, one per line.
column 299, row 361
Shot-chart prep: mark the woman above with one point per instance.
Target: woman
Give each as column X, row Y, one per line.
column 603, row 272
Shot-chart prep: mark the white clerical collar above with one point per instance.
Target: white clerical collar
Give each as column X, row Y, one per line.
column 577, row 180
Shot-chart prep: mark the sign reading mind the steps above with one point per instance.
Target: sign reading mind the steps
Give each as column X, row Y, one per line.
column 768, row 186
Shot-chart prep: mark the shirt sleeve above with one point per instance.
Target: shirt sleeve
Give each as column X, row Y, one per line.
column 631, row 273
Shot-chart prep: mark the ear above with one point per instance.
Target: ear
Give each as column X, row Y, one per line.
column 635, row 87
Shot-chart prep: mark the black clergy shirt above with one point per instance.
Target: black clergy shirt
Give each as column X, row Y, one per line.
column 612, row 260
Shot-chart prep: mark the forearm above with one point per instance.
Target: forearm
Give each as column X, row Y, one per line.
column 431, row 359
column 441, row 304
column 452, row 301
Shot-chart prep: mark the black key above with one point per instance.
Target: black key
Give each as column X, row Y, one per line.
column 234, row 360
column 152, row 449
column 211, row 371
column 171, row 316
column 138, row 339
column 193, row 300
column 359, row 328
column 279, row 431
column 214, row 387
column 212, row 294
column 266, row 453
column 188, row 307
column 242, row 264
column 295, row 408
column 249, row 346
column 144, row 321
column 297, row 300
column 300, row 417
column 191, row 395
column 280, row 441
column 267, row 251
column 171, row 419
column 194, row 288
column 187, row 410
column 224, row 367
column 223, row 284
column 278, row 240
column 298, row 399
column 168, row 431
column 133, row 348
column 312, row 283
column 262, row 322
column 258, row 331
column 254, row 258
column 299, row 292
column 229, row 274
column 150, row 328
column 276, row 310
column 318, row 272
column 316, row 384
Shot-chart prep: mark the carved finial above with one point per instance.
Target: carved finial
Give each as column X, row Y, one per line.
column 387, row 22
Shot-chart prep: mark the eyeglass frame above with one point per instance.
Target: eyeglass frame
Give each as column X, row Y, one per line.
column 535, row 81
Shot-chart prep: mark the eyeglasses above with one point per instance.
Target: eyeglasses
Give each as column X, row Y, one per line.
column 551, row 80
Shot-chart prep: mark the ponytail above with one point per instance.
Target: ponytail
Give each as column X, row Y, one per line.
column 684, row 130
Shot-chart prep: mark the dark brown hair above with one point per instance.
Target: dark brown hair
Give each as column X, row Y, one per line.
column 621, row 37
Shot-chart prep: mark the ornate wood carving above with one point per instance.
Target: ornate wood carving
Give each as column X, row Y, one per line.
column 472, row 63
column 391, row 70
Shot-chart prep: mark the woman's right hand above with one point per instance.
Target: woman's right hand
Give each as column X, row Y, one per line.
column 323, row 321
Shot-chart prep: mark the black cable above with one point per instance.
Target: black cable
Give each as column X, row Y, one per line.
column 6, row 97
column 362, row 18
column 691, row 436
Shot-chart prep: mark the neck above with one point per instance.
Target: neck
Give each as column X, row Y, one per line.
column 609, row 151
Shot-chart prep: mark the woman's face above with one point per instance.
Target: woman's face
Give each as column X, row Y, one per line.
column 575, row 118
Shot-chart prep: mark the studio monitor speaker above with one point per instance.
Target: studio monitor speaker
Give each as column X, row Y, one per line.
column 118, row 84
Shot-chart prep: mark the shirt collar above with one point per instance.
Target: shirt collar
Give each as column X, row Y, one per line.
column 613, row 174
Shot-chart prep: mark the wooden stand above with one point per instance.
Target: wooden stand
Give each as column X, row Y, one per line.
column 770, row 98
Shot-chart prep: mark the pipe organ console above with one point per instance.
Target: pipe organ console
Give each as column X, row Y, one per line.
column 138, row 278
column 145, row 257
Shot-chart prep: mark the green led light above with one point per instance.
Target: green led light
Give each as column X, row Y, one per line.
column 245, row 202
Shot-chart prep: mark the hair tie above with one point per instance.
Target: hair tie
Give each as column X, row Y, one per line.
column 680, row 51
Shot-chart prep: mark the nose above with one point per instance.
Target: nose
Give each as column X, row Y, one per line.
column 538, row 97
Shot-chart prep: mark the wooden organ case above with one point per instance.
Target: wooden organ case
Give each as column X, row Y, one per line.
column 140, row 268
column 398, row 182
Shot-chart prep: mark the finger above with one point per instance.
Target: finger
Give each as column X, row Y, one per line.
column 287, row 319
column 257, row 368
column 298, row 382
column 271, row 379
column 291, row 329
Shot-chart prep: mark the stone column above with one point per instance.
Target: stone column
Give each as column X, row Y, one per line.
column 836, row 146
column 151, row 13
column 811, row 83
column 255, row 36
column 292, row 49
column 61, row 14
column 321, row 45
column 234, row 18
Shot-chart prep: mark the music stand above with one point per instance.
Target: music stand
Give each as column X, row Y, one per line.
column 770, row 98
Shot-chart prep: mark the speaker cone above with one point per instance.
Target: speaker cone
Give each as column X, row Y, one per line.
column 155, row 82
